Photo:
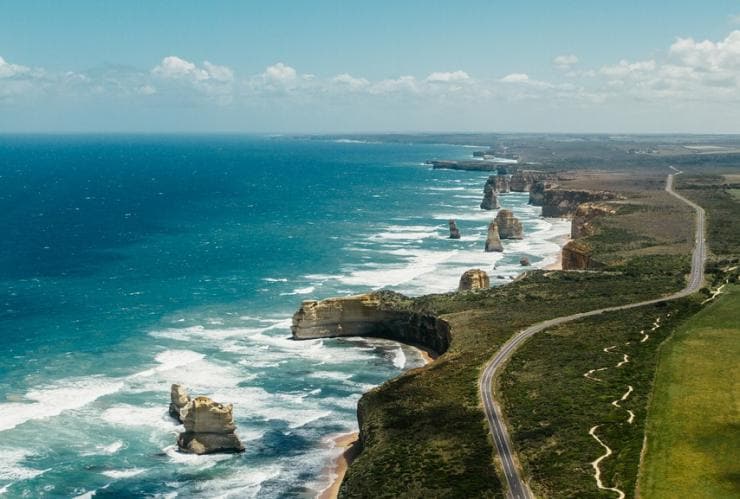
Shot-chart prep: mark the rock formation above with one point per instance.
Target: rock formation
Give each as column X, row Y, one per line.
column 501, row 183
column 209, row 428
column 474, row 279
column 490, row 202
column 563, row 203
column 524, row 261
column 493, row 241
column 537, row 192
column 179, row 398
column 582, row 223
column 522, row 180
column 576, row 255
column 471, row 164
column 509, row 227
column 454, row 231
column 381, row 314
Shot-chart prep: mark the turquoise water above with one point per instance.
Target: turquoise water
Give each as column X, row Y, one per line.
column 132, row 262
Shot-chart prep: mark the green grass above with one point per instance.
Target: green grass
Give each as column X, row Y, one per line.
column 551, row 405
column 693, row 433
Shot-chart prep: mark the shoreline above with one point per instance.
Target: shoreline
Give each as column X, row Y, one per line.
column 349, row 442
column 558, row 263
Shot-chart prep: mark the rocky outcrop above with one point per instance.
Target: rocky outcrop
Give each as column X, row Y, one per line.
column 493, row 240
column 381, row 314
column 509, row 227
column 576, row 255
column 564, row 203
column 209, row 428
column 490, row 201
column 179, row 398
column 582, row 223
column 524, row 261
column 454, row 231
column 523, row 180
column 501, row 183
column 537, row 192
column 474, row 279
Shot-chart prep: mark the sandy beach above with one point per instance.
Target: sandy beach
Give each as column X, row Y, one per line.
column 558, row 263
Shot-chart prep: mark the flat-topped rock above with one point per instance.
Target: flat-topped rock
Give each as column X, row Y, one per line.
column 474, row 279
column 509, row 227
column 209, row 426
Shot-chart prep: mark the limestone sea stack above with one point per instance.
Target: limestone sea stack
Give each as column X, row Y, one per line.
column 524, row 261
column 509, row 227
column 179, row 398
column 474, row 279
column 493, row 241
column 209, row 428
column 454, row 231
column 501, row 183
column 490, row 202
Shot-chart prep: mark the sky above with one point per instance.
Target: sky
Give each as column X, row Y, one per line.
column 356, row 66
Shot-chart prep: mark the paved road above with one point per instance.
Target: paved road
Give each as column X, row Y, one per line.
column 517, row 487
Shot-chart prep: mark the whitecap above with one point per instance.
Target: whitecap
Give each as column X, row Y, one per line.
column 60, row 396
column 127, row 473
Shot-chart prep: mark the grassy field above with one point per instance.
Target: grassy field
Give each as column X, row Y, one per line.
column 424, row 433
column 564, row 381
column 693, row 432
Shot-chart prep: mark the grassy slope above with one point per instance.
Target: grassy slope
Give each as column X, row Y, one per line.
column 425, row 431
column 693, row 430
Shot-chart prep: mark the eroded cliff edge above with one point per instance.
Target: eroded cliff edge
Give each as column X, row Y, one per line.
column 381, row 314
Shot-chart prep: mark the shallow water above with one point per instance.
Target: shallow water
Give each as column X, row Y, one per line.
column 132, row 262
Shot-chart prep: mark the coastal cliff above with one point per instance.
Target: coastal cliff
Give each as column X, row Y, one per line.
column 582, row 223
column 577, row 255
column 381, row 314
column 523, row 180
column 564, row 203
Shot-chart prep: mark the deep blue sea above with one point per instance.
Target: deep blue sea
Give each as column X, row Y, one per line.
column 128, row 263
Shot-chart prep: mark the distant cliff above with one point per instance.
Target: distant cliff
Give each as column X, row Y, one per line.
column 564, row 203
column 584, row 216
column 382, row 314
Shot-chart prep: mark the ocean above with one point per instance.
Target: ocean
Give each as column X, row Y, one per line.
column 128, row 263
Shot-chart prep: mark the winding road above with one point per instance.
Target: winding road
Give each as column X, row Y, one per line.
column 518, row 489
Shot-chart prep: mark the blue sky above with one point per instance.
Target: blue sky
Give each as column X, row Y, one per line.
column 318, row 66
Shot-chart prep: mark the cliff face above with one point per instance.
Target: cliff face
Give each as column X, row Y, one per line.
column 582, row 223
column 474, row 279
column 563, row 203
column 374, row 314
column 523, row 180
column 537, row 192
column 577, row 256
column 501, row 183
column 509, row 227
column 493, row 240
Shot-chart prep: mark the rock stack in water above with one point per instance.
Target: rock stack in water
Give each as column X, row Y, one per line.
column 524, row 261
column 493, row 241
column 474, row 279
column 490, row 202
column 509, row 227
column 501, row 183
column 454, row 231
column 209, row 426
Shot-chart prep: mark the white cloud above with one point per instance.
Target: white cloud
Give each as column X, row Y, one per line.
column 565, row 61
column 280, row 73
column 515, row 78
column 625, row 68
column 348, row 81
column 448, row 77
column 403, row 84
column 173, row 67
column 8, row 70
column 708, row 55
column 735, row 19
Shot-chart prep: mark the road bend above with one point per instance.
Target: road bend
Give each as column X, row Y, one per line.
column 517, row 488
